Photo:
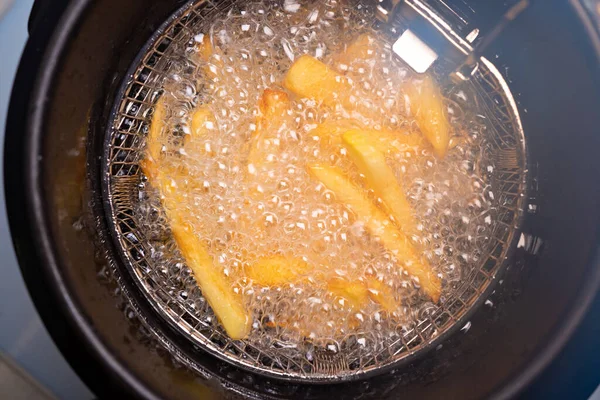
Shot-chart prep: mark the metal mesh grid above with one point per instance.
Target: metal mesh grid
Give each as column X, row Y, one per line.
column 126, row 148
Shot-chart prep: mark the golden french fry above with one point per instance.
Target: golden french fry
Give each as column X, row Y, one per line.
column 278, row 271
column 355, row 293
column 203, row 120
column 362, row 48
column 379, row 226
column 206, row 53
column 397, row 141
column 273, row 107
column 380, row 177
column 203, row 126
column 330, row 132
column 382, row 294
column 153, row 144
column 216, row 287
column 204, row 48
column 427, row 106
column 310, row 78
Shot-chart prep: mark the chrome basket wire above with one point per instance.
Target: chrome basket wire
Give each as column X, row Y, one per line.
column 124, row 149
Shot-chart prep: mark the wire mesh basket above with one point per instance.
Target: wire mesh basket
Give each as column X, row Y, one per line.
column 191, row 314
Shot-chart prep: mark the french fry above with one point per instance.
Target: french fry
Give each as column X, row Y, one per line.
column 380, row 177
column 203, row 125
column 330, row 132
column 426, row 105
column 202, row 122
column 206, row 53
column 310, row 78
column 362, row 48
column 204, row 48
column 216, row 287
column 355, row 293
column 278, row 271
column 397, row 141
column 379, row 226
column 153, row 144
column 382, row 294
column 273, row 107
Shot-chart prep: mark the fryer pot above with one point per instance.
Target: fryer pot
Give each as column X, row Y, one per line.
column 75, row 60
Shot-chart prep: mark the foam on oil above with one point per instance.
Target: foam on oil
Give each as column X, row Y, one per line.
column 293, row 214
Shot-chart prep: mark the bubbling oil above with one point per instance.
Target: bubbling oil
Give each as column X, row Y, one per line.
column 282, row 210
